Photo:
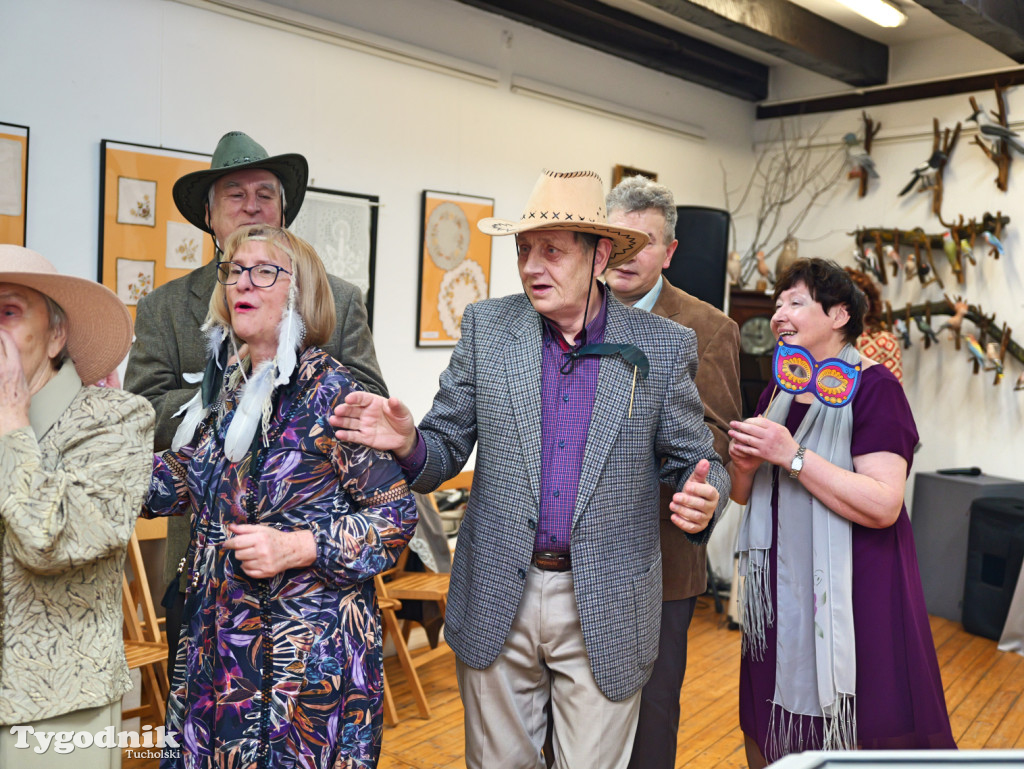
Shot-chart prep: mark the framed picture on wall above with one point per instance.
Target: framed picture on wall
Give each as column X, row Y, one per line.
column 144, row 241
column 620, row 172
column 342, row 227
column 455, row 264
column 13, row 183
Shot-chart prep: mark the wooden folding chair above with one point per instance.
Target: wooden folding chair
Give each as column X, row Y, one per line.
column 144, row 646
column 388, row 606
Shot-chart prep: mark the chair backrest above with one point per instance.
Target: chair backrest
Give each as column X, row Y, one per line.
column 140, row 618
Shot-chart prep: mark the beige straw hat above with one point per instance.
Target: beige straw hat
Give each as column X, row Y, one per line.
column 99, row 325
column 570, row 200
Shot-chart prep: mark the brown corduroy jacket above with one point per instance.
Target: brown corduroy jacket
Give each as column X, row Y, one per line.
column 683, row 564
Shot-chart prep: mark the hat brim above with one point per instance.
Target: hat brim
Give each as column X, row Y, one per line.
column 99, row 325
column 626, row 242
column 191, row 190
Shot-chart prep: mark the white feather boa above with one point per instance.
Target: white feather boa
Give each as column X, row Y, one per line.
column 193, row 410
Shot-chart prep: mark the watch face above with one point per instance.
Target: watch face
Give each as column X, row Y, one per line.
column 756, row 336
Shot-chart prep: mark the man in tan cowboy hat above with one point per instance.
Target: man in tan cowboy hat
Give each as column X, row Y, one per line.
column 578, row 407
column 244, row 185
column 650, row 207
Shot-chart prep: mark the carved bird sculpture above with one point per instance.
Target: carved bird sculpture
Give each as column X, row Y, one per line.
column 949, row 246
column 1020, row 382
column 993, row 131
column 993, row 241
column 900, row 327
column 925, row 172
column 925, row 328
column 966, row 252
column 858, row 161
column 734, row 267
column 889, row 252
column 763, row 269
column 992, row 354
column 976, row 353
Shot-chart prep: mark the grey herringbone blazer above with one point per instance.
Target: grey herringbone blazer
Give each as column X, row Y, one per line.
column 490, row 395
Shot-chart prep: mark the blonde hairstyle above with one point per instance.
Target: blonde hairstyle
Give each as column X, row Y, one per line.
column 315, row 302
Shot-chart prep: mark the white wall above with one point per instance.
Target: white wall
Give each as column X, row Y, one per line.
column 963, row 419
column 165, row 73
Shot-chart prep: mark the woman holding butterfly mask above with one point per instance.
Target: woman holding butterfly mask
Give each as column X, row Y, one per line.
column 837, row 649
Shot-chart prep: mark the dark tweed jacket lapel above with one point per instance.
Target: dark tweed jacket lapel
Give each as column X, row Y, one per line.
column 200, row 287
column 523, row 369
column 614, row 380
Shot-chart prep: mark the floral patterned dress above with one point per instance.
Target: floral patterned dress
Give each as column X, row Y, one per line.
column 286, row 671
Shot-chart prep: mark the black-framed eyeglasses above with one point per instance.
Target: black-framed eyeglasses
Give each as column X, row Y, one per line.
column 261, row 275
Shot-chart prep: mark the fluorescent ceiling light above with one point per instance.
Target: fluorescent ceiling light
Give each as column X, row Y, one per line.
column 881, row 12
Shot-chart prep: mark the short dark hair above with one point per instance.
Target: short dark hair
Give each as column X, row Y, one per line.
column 587, row 241
column 829, row 285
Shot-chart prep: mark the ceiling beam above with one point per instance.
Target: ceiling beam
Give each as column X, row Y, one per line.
column 998, row 23
column 630, row 37
column 790, row 32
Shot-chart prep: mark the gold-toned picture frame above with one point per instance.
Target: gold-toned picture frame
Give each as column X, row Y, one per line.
column 620, row 172
column 455, row 264
column 144, row 241
column 13, row 183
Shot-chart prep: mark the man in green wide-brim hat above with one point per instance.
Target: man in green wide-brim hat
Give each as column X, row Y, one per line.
column 244, row 185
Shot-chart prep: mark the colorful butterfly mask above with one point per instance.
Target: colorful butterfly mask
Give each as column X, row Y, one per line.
column 833, row 381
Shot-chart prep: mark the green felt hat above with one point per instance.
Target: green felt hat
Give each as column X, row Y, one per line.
column 237, row 151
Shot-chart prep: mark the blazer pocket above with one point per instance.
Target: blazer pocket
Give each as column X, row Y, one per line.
column 647, row 618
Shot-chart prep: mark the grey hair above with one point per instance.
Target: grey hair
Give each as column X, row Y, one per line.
column 280, row 192
column 638, row 193
column 587, row 241
column 58, row 320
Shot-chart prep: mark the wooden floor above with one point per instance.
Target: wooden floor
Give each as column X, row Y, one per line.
column 984, row 694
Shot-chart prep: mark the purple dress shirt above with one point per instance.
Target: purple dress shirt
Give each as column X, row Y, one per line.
column 567, row 401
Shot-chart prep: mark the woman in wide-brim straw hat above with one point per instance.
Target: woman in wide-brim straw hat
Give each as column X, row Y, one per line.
column 75, row 461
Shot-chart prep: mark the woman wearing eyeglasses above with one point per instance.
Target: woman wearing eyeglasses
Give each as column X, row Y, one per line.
column 280, row 660
column 837, row 649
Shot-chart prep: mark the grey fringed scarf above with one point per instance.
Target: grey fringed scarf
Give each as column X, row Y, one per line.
column 816, row 666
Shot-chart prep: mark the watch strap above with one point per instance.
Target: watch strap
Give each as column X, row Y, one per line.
column 798, row 463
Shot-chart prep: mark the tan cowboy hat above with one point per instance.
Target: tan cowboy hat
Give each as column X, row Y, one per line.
column 570, row 200
column 237, row 151
column 99, row 325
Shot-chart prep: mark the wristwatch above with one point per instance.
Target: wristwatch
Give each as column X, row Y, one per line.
column 797, row 464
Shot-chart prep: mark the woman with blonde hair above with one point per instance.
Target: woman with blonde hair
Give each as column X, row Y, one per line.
column 280, row 661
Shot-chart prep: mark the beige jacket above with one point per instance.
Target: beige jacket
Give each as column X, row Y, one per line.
column 71, row 486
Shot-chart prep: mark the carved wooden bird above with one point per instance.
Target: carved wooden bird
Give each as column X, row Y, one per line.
column 763, row 269
column 925, row 328
column 857, row 159
column 993, row 241
column 904, row 333
column 925, row 172
column 994, row 131
column 975, row 351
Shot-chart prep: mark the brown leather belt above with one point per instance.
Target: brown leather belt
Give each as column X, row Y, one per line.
column 552, row 561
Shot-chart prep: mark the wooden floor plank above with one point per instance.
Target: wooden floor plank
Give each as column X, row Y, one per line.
column 984, row 693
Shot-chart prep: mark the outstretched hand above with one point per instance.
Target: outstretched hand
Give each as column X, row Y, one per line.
column 693, row 507
column 372, row 420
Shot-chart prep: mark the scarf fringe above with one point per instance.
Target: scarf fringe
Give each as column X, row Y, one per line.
column 794, row 732
column 757, row 605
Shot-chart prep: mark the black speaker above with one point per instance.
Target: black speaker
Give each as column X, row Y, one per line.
column 698, row 266
column 995, row 549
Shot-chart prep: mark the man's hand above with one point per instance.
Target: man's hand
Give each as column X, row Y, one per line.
column 380, row 423
column 264, row 551
column 14, row 391
column 693, row 507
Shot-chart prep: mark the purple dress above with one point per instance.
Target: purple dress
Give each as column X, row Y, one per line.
column 285, row 671
column 900, row 703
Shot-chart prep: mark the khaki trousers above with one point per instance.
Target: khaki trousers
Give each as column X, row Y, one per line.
column 544, row 659
column 90, row 720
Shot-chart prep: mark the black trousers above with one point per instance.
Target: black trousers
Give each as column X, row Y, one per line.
column 655, row 744
column 174, row 605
